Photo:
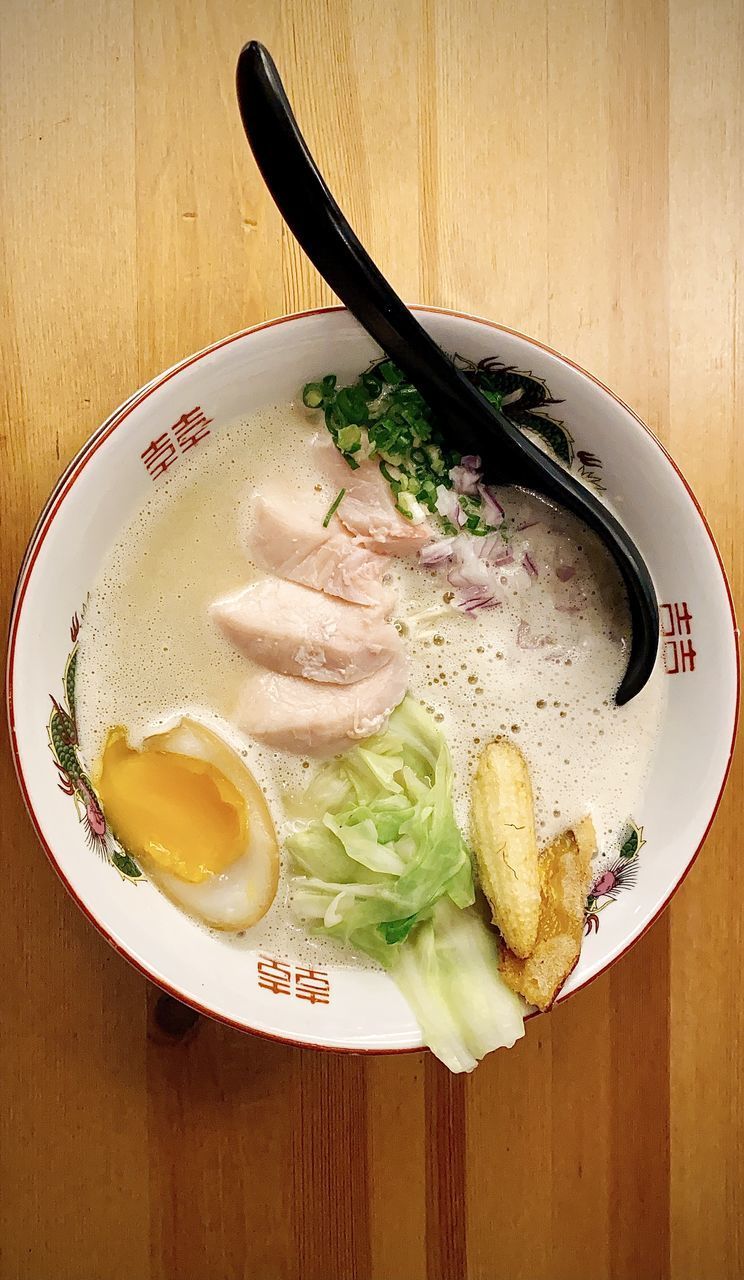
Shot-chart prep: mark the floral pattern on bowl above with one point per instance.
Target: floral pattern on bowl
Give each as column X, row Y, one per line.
column 524, row 397
column 73, row 778
column 614, row 875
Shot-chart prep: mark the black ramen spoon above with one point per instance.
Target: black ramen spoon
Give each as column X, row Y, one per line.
column 473, row 425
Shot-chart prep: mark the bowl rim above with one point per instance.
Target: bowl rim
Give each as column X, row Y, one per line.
column 44, row 524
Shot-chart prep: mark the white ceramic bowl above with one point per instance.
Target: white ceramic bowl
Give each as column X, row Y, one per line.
column 108, row 481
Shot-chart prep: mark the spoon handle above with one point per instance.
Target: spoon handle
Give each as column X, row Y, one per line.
column 318, row 224
column 474, row 425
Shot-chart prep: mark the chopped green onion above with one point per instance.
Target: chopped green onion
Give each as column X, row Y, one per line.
column 330, row 513
column 381, row 416
column 390, row 373
column 349, row 438
column 372, row 385
column 393, row 481
column 407, row 505
column 334, row 419
column 351, row 404
column 312, row 395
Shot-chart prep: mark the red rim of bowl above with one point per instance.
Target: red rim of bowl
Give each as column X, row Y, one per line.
column 44, row 523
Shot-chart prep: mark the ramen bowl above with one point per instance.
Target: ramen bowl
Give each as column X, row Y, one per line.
column 112, row 477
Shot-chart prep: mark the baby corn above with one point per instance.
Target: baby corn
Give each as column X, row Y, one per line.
column 505, row 844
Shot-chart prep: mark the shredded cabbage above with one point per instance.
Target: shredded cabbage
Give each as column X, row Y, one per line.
column 449, row 973
column 381, row 864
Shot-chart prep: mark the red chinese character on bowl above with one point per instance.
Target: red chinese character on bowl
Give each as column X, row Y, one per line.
column 676, row 630
column 191, row 428
column 159, row 455
column 274, row 975
column 312, row 985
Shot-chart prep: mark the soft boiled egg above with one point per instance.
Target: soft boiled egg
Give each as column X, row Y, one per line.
column 189, row 809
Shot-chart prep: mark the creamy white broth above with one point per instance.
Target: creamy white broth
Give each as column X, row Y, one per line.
column 149, row 651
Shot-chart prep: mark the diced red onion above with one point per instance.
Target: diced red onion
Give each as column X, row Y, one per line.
column 456, row 577
column 463, row 577
column 471, row 461
column 490, row 546
column 476, row 567
column 478, row 600
column 493, row 512
column 466, row 554
column 436, row 552
column 464, row 480
column 493, row 549
column 447, row 504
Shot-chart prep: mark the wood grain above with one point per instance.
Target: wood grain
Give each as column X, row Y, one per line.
column 575, row 170
column 706, row 168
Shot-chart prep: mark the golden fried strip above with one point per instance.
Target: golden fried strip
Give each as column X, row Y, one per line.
column 565, row 876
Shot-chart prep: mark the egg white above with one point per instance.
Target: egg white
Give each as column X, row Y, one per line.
column 239, row 896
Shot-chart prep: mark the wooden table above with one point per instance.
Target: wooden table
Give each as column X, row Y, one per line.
column 573, row 169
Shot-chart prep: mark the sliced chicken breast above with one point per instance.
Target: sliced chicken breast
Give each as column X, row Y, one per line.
column 368, row 508
column 299, row 632
column 288, row 538
column 314, row 719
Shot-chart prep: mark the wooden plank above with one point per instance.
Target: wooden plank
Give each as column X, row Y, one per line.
column 509, row 1122
column 207, row 231
column 72, row 1072
column 638, row 365
column 330, row 1167
column 446, row 1169
column 484, row 237
column 707, row 404
column 220, row 1133
column 398, row 1137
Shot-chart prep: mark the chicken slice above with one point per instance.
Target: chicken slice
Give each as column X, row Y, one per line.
column 299, row 632
column 315, row 719
column 288, row 539
column 368, row 509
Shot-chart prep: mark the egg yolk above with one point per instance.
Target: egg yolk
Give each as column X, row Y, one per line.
column 178, row 811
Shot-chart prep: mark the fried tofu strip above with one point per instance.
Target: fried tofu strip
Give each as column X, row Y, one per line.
column 565, row 877
column 505, row 844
